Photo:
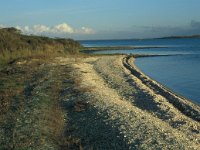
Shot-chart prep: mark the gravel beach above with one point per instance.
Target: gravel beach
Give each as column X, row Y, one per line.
column 118, row 110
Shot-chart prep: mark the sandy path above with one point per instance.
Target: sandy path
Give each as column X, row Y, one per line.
column 124, row 113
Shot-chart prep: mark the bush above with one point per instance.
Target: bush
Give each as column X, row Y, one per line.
column 13, row 43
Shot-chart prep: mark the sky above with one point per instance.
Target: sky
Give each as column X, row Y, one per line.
column 102, row 19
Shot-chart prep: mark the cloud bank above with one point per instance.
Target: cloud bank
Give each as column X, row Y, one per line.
column 193, row 28
column 63, row 28
column 147, row 31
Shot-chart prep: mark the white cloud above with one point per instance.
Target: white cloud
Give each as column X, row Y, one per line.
column 26, row 28
column 37, row 29
column 85, row 30
column 2, row 26
column 19, row 28
column 63, row 28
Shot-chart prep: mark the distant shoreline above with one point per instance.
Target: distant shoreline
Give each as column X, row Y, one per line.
column 98, row 48
column 180, row 37
column 164, row 37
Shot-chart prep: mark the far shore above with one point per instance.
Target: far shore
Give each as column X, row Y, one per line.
column 89, row 49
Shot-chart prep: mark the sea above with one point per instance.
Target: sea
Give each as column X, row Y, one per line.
column 178, row 69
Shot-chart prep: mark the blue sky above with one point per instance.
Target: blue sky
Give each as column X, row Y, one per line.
column 102, row 19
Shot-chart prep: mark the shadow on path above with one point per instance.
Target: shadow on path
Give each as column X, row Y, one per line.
column 88, row 124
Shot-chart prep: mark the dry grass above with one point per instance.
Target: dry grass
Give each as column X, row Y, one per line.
column 70, row 143
column 14, row 45
column 30, row 92
column 7, row 56
column 80, row 106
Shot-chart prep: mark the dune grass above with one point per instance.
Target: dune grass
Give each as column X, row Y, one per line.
column 15, row 45
column 31, row 114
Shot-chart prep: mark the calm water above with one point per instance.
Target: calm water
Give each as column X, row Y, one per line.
column 180, row 73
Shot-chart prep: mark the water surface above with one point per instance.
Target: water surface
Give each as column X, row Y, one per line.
column 180, row 72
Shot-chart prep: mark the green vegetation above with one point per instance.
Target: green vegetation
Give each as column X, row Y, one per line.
column 31, row 110
column 31, row 84
column 14, row 45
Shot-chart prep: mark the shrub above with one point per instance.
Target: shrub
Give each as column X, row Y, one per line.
column 13, row 44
